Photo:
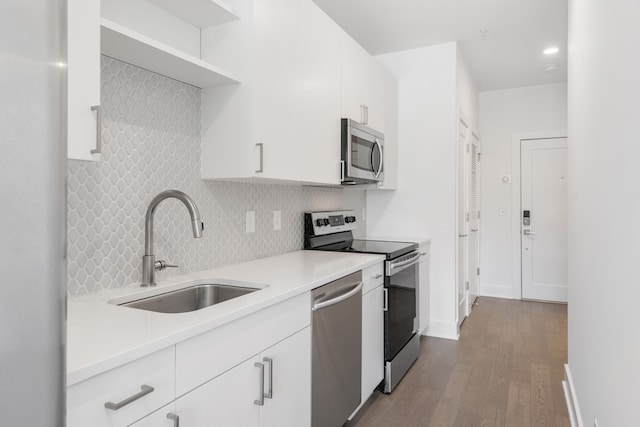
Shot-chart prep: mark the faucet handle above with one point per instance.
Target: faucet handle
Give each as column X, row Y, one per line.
column 161, row 265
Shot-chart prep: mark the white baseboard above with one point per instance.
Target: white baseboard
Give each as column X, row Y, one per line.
column 440, row 329
column 496, row 291
column 571, row 399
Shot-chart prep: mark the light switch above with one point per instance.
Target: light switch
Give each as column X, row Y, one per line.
column 250, row 222
column 277, row 220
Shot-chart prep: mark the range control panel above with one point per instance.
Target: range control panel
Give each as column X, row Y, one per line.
column 331, row 222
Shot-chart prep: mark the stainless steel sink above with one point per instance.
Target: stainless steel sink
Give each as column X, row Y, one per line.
column 190, row 299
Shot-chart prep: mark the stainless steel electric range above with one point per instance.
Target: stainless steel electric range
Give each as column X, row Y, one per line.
column 333, row 231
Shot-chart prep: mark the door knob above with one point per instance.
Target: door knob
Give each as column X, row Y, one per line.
column 528, row 232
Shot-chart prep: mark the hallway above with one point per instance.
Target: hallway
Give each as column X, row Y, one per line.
column 506, row 370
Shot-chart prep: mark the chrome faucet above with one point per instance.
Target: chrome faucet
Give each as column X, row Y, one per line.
column 149, row 264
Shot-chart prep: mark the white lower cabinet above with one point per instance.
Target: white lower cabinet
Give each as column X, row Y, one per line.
column 268, row 390
column 372, row 330
column 125, row 394
column 163, row 417
column 372, row 341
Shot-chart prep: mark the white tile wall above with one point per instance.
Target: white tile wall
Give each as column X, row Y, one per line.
column 151, row 134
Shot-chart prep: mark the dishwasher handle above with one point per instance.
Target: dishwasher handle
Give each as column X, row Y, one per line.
column 339, row 298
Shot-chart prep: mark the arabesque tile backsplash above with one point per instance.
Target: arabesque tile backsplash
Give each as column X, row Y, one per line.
column 151, row 137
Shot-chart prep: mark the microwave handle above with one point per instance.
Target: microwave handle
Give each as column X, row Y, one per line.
column 377, row 173
column 342, row 170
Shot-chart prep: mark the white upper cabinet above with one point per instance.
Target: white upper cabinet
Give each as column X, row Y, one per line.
column 83, row 72
column 300, row 74
column 283, row 122
column 363, row 85
column 277, row 95
column 321, row 96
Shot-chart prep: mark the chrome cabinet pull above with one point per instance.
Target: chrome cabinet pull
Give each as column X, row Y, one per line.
column 377, row 276
column 260, row 145
column 424, row 253
column 364, row 114
column 386, row 299
column 175, row 418
column 98, row 110
column 260, row 401
column 528, row 232
column 269, row 394
column 144, row 390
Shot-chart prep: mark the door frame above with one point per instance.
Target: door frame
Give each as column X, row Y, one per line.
column 516, row 207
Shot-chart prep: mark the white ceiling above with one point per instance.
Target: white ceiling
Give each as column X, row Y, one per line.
column 509, row 55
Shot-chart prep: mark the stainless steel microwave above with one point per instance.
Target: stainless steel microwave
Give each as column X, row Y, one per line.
column 362, row 154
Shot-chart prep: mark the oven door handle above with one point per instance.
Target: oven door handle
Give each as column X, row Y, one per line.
column 396, row 267
column 339, row 298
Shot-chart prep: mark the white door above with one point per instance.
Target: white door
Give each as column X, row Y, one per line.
column 474, row 224
column 544, row 233
column 463, row 220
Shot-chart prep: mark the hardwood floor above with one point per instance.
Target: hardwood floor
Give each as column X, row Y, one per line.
column 506, row 370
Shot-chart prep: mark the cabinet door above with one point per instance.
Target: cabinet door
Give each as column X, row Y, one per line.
column 321, row 97
column 372, row 340
column 277, row 113
column 362, row 84
column 390, row 132
column 290, row 404
column 159, row 418
column 227, row 400
column 83, row 78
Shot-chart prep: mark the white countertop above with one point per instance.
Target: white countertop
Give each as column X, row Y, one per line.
column 102, row 336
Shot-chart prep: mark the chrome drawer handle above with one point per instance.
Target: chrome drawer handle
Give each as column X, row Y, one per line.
column 175, row 418
column 261, row 147
column 260, row 402
column 144, row 390
column 98, row 110
column 269, row 394
column 377, row 276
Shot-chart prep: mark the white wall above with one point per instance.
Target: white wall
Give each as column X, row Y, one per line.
column 466, row 92
column 424, row 202
column 503, row 113
column 604, row 202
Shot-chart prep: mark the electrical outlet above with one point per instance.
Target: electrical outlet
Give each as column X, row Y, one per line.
column 250, row 222
column 502, row 212
column 277, row 220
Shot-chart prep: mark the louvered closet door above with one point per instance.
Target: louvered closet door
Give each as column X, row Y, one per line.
column 474, row 224
column 463, row 220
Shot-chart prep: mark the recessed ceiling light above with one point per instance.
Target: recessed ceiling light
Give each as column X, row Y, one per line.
column 551, row 51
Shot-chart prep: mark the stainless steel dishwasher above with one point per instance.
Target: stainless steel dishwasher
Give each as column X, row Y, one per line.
column 336, row 330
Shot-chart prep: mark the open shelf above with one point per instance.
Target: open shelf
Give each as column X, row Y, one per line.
column 137, row 49
column 201, row 13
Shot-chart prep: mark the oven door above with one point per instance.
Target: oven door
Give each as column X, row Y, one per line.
column 401, row 280
column 362, row 154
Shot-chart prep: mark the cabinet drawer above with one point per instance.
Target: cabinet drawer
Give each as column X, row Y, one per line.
column 372, row 276
column 86, row 400
column 208, row 355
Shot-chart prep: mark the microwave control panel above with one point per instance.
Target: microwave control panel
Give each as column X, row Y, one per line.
column 331, row 222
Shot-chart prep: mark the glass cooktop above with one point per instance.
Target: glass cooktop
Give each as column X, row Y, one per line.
column 390, row 249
